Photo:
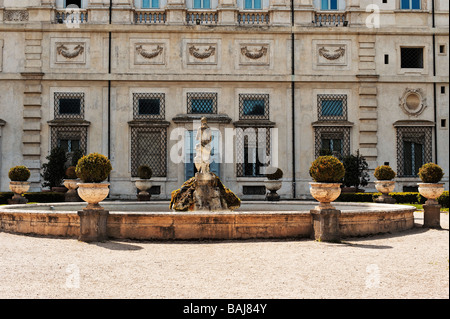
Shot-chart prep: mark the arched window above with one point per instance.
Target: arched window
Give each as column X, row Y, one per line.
column 73, row 3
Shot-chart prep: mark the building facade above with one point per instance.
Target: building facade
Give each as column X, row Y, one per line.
column 279, row 81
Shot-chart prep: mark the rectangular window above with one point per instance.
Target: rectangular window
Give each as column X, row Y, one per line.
column 252, row 4
column 410, row 4
column 149, row 147
column 386, row 59
column 202, row 4
column 442, row 89
column 254, row 106
column 412, row 58
column 329, row 5
column 69, row 145
column 147, row 4
column 414, row 148
column 332, row 107
column 148, row 106
column 252, row 151
column 68, row 105
column 332, row 140
column 201, row 103
column 70, row 138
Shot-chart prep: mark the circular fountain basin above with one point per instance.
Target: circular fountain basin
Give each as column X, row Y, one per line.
column 254, row 219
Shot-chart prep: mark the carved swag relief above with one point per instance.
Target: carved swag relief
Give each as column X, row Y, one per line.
column 149, row 54
column 68, row 54
column 336, row 54
column 254, row 55
column 210, row 51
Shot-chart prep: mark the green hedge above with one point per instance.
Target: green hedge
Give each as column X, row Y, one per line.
column 39, row 197
column 400, row 198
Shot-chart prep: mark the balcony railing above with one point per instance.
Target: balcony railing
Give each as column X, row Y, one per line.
column 150, row 17
column 253, row 17
column 202, row 17
column 71, row 16
column 330, row 19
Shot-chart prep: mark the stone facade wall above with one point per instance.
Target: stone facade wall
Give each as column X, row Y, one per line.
column 235, row 52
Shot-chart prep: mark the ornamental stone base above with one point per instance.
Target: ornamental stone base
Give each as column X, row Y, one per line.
column 93, row 225
column 326, row 225
column 432, row 216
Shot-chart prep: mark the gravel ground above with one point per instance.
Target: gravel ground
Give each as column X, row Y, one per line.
column 410, row 264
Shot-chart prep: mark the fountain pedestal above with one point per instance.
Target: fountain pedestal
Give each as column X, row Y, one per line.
column 93, row 224
column 326, row 224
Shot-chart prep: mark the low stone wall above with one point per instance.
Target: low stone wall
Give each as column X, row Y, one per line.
column 220, row 226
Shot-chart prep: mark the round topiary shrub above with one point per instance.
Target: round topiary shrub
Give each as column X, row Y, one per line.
column 144, row 172
column 19, row 173
column 93, row 168
column 431, row 173
column 70, row 172
column 384, row 173
column 274, row 174
column 327, row 169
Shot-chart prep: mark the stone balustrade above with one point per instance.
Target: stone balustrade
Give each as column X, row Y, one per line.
column 72, row 16
column 202, row 17
column 330, row 19
column 253, row 17
column 155, row 16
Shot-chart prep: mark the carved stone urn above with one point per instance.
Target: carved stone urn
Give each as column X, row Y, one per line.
column 71, row 195
column 385, row 187
column 325, row 193
column 18, row 188
column 431, row 208
column 143, row 185
column 93, row 194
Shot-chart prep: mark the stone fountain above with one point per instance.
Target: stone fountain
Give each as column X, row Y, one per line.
column 204, row 191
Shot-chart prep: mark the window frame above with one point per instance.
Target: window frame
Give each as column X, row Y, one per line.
column 193, row 96
column 202, row 4
column 330, row 97
column 332, row 132
column 328, row 5
column 151, row 4
column 413, row 132
column 57, row 96
column 242, row 150
column 253, row 4
column 243, row 97
column 137, row 96
column 410, row 4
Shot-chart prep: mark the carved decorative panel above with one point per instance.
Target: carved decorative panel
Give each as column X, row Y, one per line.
column 201, row 53
column 16, row 15
column 331, row 53
column 413, row 102
column 148, row 52
column 254, row 54
column 69, row 52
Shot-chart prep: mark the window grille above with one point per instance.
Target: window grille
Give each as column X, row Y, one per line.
column 332, row 140
column 332, row 106
column 412, row 58
column 70, row 138
column 201, row 103
column 148, row 106
column 414, row 148
column 149, row 147
column 252, row 151
column 254, row 106
column 69, row 105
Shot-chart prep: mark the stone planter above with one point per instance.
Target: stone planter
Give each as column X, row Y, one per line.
column 71, row 195
column 143, row 185
column 431, row 208
column 18, row 188
column 93, row 193
column 325, row 216
column 272, row 186
column 431, row 192
column 325, row 193
column 385, row 187
column 93, row 218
